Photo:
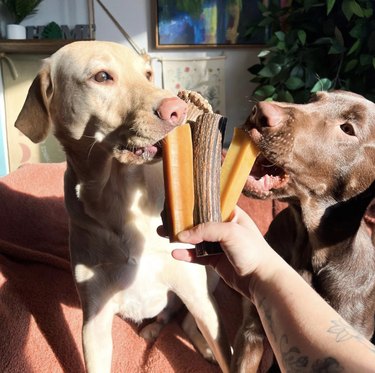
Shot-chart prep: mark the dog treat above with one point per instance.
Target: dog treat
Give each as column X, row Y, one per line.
column 207, row 145
column 236, row 167
column 178, row 167
column 178, row 180
column 191, row 161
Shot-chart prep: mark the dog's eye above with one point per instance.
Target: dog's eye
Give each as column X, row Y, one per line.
column 348, row 129
column 102, row 76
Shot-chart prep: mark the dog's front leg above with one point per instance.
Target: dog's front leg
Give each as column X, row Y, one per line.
column 249, row 355
column 204, row 309
column 97, row 339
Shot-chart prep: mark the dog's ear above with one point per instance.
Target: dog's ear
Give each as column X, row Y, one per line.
column 34, row 119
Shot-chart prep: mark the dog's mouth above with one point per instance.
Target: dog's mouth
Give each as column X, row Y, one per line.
column 264, row 178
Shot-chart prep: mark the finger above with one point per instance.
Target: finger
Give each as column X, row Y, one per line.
column 186, row 255
column 211, row 232
column 189, row 255
column 242, row 218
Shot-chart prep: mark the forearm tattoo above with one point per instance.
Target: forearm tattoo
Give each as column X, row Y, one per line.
column 294, row 360
column 344, row 332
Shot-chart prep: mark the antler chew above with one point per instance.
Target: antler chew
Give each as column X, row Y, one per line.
column 207, row 141
column 236, row 167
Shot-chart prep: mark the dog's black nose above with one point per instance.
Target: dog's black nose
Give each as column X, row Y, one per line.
column 172, row 110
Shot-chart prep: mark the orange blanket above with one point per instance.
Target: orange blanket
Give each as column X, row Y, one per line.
column 40, row 315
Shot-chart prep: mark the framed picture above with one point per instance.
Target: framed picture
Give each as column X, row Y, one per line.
column 206, row 23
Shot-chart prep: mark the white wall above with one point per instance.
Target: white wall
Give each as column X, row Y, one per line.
column 135, row 16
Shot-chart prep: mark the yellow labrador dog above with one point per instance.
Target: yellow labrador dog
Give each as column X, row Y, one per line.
column 110, row 119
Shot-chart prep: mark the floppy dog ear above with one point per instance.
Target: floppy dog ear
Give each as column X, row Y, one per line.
column 34, row 120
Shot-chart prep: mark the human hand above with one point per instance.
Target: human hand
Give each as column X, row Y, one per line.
column 246, row 251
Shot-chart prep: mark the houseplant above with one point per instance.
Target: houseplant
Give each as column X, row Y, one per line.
column 19, row 10
column 316, row 45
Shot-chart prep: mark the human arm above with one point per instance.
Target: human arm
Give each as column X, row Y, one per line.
column 306, row 334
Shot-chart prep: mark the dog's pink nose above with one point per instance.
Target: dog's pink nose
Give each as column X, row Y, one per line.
column 266, row 114
column 172, row 110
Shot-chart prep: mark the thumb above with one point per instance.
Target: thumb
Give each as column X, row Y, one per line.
column 210, row 232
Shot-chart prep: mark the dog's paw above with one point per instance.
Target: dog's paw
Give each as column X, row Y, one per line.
column 206, row 351
column 190, row 328
column 151, row 331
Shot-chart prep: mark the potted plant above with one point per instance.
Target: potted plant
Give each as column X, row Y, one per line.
column 19, row 10
column 316, row 45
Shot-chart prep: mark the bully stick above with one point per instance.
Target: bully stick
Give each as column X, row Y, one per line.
column 236, row 167
column 178, row 180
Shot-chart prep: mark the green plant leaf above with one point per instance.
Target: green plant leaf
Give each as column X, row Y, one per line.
column 354, row 47
column 346, row 9
column 281, row 45
column 20, row 9
column 322, row 85
column 294, row 83
column 265, row 91
column 52, row 31
column 351, row 65
column 336, row 48
column 270, row 70
column 356, row 8
column 284, row 96
column 302, row 36
column 368, row 12
column 324, row 40
column 280, row 35
column 330, row 5
column 297, row 71
column 266, row 22
column 365, row 59
column 358, row 29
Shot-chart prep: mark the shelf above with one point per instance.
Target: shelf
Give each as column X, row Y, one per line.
column 31, row 46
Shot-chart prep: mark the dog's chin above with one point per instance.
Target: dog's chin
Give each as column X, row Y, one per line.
column 265, row 179
column 137, row 155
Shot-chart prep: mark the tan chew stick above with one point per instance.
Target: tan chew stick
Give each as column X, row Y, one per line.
column 178, row 180
column 236, row 167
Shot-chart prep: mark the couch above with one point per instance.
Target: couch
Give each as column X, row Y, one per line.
column 40, row 315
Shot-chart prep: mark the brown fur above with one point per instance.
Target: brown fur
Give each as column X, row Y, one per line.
column 327, row 150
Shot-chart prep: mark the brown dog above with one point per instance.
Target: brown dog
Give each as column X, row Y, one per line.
column 319, row 157
column 110, row 120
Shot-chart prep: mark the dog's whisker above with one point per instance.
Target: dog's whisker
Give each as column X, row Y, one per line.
column 90, row 149
column 89, row 137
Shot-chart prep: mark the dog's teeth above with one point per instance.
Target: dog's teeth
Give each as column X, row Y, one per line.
column 139, row 152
